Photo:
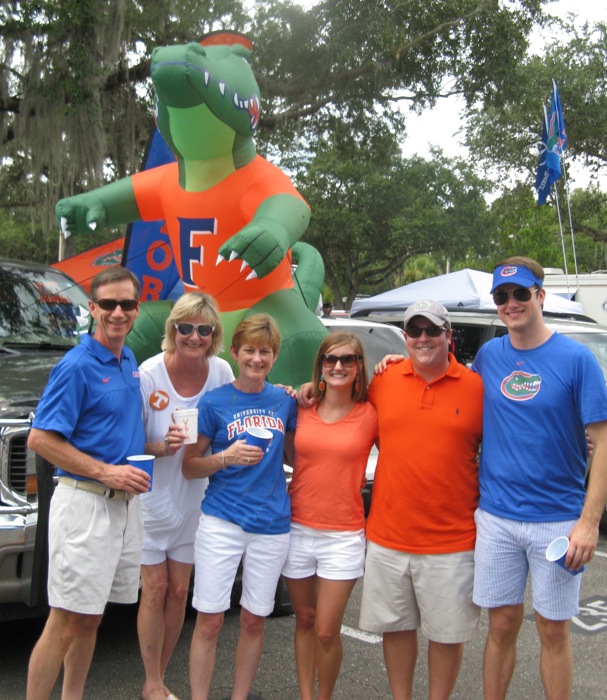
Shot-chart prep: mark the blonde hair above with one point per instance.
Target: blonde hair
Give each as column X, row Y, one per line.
column 334, row 340
column 194, row 305
column 258, row 329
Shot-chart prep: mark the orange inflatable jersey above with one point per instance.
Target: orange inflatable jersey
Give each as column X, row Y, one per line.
column 199, row 223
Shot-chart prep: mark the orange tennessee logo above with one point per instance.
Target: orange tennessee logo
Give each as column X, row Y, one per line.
column 159, row 400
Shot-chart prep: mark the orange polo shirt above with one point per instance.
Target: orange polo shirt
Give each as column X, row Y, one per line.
column 426, row 482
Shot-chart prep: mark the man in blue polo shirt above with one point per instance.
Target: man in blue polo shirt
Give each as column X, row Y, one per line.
column 87, row 422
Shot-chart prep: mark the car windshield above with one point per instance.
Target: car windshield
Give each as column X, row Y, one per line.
column 597, row 343
column 40, row 306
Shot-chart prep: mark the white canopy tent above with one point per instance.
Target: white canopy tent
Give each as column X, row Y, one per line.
column 464, row 289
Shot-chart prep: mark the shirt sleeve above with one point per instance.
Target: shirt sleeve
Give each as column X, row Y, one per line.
column 62, row 400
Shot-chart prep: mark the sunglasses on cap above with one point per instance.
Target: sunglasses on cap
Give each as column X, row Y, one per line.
column 111, row 304
column 431, row 331
column 203, row 329
column 520, row 294
column 346, row 360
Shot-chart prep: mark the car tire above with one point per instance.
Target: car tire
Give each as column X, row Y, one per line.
column 282, row 600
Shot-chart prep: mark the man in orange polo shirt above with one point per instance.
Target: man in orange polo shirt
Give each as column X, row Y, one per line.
column 420, row 533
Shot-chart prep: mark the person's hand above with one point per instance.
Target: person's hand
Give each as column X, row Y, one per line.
column 304, row 396
column 382, row 365
column 174, row 439
column 242, row 455
column 124, row 477
column 583, row 540
column 289, row 389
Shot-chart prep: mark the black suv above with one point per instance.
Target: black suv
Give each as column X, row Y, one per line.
column 42, row 312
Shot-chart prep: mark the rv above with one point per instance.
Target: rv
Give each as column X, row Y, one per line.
column 589, row 289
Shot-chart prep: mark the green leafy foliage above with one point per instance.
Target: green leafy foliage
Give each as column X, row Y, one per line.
column 76, row 109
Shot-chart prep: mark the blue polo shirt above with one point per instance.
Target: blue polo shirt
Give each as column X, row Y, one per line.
column 94, row 401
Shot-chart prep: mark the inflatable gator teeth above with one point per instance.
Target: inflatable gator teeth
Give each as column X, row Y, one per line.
column 231, row 216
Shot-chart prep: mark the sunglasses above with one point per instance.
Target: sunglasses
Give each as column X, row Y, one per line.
column 431, row 331
column 203, row 329
column 346, row 360
column 111, row 304
column 520, row 294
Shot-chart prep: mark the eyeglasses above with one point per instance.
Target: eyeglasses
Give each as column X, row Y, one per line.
column 520, row 294
column 203, row 329
column 111, row 304
column 346, row 360
column 431, row 331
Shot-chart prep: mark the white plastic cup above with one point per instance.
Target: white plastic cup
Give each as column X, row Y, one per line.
column 187, row 420
column 557, row 551
column 145, row 462
column 260, row 437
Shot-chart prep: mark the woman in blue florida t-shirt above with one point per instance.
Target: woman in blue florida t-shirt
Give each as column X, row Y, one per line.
column 245, row 512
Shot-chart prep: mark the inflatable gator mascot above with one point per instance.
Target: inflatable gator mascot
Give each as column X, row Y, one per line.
column 232, row 217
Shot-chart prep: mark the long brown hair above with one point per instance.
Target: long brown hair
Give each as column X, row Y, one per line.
column 334, row 340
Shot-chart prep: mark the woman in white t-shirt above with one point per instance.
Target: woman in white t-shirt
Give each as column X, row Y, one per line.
column 176, row 378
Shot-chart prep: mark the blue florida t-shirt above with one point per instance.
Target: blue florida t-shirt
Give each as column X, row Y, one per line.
column 255, row 497
column 537, row 404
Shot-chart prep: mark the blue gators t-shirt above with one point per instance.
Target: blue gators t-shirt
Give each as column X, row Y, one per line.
column 255, row 497
column 94, row 401
column 537, row 404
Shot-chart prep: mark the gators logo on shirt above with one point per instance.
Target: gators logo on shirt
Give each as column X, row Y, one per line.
column 521, row 386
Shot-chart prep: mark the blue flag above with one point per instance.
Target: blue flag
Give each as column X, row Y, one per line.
column 147, row 251
column 554, row 142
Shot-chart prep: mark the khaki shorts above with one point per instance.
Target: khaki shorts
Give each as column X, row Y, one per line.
column 94, row 551
column 433, row 592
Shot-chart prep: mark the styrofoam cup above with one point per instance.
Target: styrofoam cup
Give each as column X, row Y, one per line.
column 259, row 437
column 187, row 420
column 145, row 462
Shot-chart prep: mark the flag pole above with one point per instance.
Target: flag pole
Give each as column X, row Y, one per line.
column 558, row 210
column 567, row 194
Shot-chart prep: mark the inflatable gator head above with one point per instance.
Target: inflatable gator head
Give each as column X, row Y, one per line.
column 207, row 85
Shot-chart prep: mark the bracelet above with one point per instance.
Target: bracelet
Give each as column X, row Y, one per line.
column 223, row 460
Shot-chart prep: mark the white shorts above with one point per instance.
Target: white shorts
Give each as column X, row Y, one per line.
column 220, row 546
column 506, row 551
column 404, row 591
column 330, row 554
column 167, row 533
column 94, row 550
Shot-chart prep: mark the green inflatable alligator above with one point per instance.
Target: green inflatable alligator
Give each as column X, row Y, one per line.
column 233, row 218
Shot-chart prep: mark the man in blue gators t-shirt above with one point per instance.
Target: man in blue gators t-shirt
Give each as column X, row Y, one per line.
column 542, row 392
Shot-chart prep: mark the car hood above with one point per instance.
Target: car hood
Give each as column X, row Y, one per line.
column 23, row 376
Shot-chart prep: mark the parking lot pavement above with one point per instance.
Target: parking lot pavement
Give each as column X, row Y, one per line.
column 117, row 671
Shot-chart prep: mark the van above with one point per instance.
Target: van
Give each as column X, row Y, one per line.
column 589, row 289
